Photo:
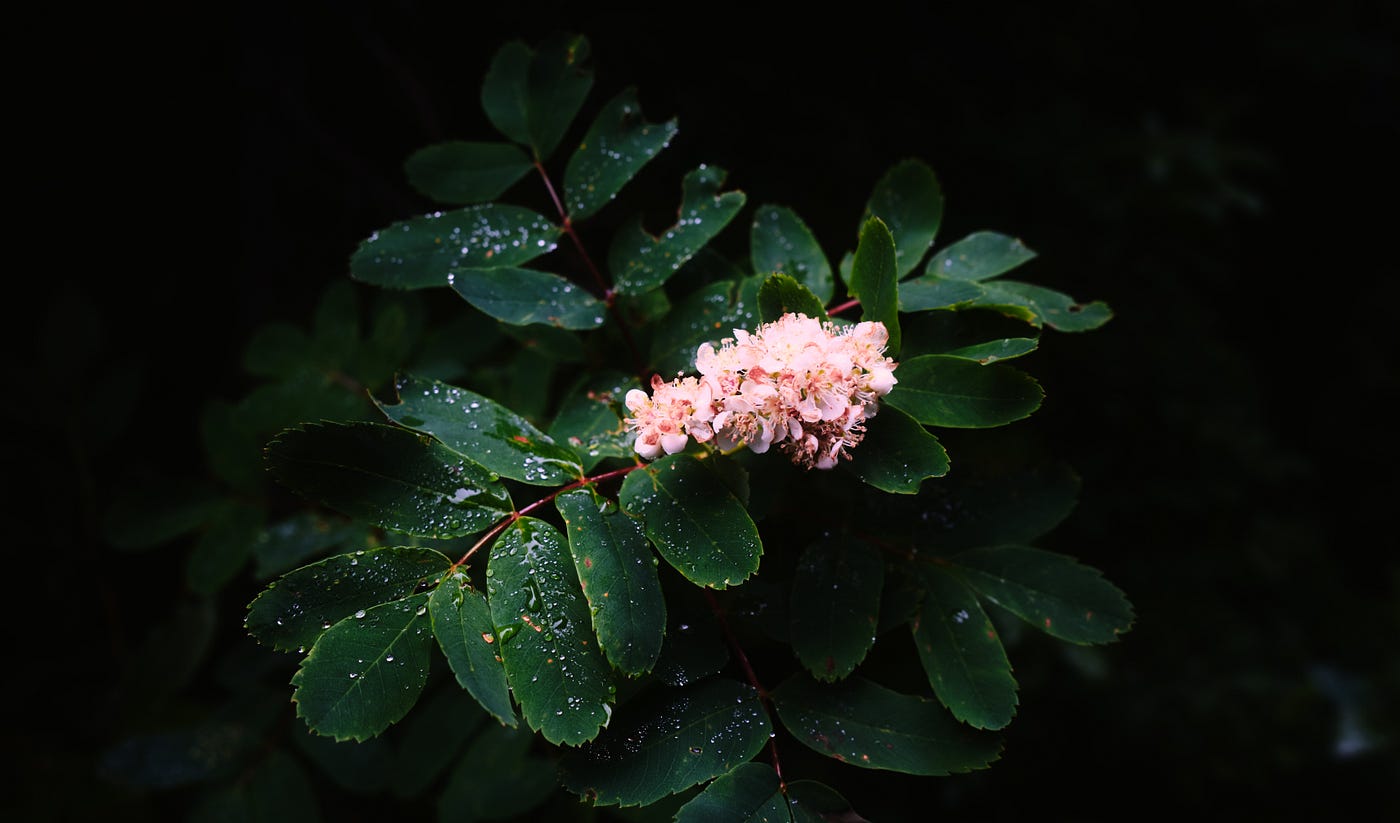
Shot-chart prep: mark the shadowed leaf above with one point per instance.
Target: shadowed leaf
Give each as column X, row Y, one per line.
column 864, row 724
column 461, row 173
column 668, row 741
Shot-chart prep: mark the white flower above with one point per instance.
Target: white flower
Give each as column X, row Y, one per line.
column 805, row 385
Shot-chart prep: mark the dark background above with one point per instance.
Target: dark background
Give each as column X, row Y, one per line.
column 1222, row 176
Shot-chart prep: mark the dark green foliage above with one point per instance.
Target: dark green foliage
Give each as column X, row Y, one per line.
column 495, row 540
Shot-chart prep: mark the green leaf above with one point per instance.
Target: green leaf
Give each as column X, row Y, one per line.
column 979, row 256
column 640, row 262
column 283, row 546
column 992, row 351
column 695, row 647
column 524, row 296
column 873, row 280
column 865, row 724
column 780, row 242
column 901, row 598
column 909, row 201
column 462, row 624
column 927, row 292
column 1050, row 591
column 708, row 314
column 552, row 662
column 488, row 433
column 781, row 294
column 460, row 173
column 617, row 146
column 549, row 342
column 496, row 779
column 224, row 548
column 590, row 422
column 434, row 733
column 962, row 654
column 503, row 91
column 422, row 252
column 294, row 611
column 366, row 671
column 389, row 476
column 618, row 573
column 835, row 605
column 813, row 802
column 555, row 88
column 898, row 453
column 694, row 520
column 752, row 793
column 1038, row 305
column 667, row 741
column 938, row 390
column 1016, row 507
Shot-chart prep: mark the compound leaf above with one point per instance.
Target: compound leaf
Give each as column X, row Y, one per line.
column 552, row 662
column 298, row 607
column 979, row 256
column 617, row 146
column 462, row 624
column 873, row 280
column 640, row 262
column 589, row 421
column 694, row 520
column 668, row 741
column 962, row 654
column 865, row 724
column 460, row 172
column 618, row 573
column 835, row 605
column 898, row 453
column 781, row 294
column 392, row 477
column 488, row 433
column 423, row 252
column 779, row 242
column 752, row 793
column 939, row 390
column 909, row 201
column 366, row 671
column 1050, row 591
column 521, row 297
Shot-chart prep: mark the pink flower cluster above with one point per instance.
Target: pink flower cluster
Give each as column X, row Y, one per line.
column 805, row 385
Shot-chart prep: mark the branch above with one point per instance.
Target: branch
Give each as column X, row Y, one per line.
column 608, row 293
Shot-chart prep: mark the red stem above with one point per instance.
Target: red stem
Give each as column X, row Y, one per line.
column 609, row 295
column 751, row 675
column 505, row 522
column 849, row 304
